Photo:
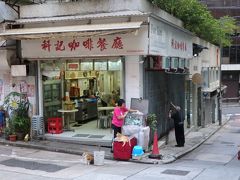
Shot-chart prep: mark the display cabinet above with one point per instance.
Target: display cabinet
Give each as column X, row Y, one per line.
column 52, row 98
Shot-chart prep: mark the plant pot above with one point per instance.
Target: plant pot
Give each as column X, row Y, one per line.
column 20, row 136
column 13, row 137
column 6, row 136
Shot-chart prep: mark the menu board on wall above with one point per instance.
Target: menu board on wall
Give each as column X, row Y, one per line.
column 87, row 65
column 100, row 65
column 114, row 65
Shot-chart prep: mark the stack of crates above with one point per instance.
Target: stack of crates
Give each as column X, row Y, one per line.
column 55, row 125
column 38, row 129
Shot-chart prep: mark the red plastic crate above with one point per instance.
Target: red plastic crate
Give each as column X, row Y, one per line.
column 55, row 125
column 121, row 152
column 54, row 130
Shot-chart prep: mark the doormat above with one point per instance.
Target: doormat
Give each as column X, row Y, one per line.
column 96, row 136
column 32, row 165
column 81, row 135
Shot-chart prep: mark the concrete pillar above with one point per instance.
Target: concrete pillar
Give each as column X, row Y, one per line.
column 133, row 78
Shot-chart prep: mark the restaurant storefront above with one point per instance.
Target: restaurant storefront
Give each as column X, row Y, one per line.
column 93, row 65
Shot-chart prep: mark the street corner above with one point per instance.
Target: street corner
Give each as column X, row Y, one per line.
column 166, row 159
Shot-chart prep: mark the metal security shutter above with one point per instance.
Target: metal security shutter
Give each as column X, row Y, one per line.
column 161, row 88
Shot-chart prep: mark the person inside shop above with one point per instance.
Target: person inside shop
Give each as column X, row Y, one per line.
column 119, row 113
column 114, row 98
column 176, row 114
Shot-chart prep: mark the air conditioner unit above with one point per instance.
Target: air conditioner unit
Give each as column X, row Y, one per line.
column 174, row 63
column 187, row 64
column 181, row 63
column 166, row 62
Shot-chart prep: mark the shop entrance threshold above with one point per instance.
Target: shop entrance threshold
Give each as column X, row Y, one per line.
column 95, row 140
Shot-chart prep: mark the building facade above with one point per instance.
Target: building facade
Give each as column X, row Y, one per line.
column 85, row 49
column 230, row 55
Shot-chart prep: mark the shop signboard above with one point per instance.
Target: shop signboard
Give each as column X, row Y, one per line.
column 159, row 63
column 155, row 62
column 80, row 74
column 73, row 66
column 135, row 43
column 166, row 40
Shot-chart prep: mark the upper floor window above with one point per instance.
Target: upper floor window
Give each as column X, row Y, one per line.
column 225, row 52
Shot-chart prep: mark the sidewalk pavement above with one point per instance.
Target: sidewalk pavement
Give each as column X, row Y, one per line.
column 193, row 139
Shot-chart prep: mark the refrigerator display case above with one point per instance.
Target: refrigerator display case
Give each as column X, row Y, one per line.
column 52, row 98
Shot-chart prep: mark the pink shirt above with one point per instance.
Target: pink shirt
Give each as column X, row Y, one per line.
column 118, row 111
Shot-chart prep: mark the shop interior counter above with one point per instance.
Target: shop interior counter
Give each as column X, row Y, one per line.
column 86, row 110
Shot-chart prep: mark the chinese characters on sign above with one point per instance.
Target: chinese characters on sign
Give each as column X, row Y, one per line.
column 88, row 43
column 179, row 45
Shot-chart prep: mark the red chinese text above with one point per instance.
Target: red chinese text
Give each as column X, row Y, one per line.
column 179, row 45
column 88, row 44
column 102, row 44
column 46, row 45
column 59, row 46
column 117, row 43
column 73, row 45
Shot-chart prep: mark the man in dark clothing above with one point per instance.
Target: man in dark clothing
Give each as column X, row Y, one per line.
column 176, row 115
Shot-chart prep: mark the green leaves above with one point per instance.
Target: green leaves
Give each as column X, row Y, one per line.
column 199, row 20
column 152, row 121
column 17, row 106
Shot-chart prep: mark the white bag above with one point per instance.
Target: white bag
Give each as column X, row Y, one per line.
column 143, row 137
column 129, row 130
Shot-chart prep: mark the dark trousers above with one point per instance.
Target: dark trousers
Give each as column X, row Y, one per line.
column 179, row 134
column 116, row 130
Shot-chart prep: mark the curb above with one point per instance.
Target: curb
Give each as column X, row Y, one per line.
column 147, row 161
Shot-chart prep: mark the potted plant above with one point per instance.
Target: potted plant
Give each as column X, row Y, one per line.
column 17, row 105
column 152, row 122
column 21, row 120
column 21, row 125
column 9, row 132
column 6, row 132
column 12, row 137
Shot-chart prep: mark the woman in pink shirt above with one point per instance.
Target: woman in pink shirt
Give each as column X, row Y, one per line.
column 119, row 114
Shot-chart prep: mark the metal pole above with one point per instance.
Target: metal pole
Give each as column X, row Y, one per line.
column 40, row 91
column 188, row 103
column 220, row 92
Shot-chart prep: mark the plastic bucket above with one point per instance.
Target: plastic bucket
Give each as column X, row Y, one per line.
column 99, row 158
column 137, row 151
